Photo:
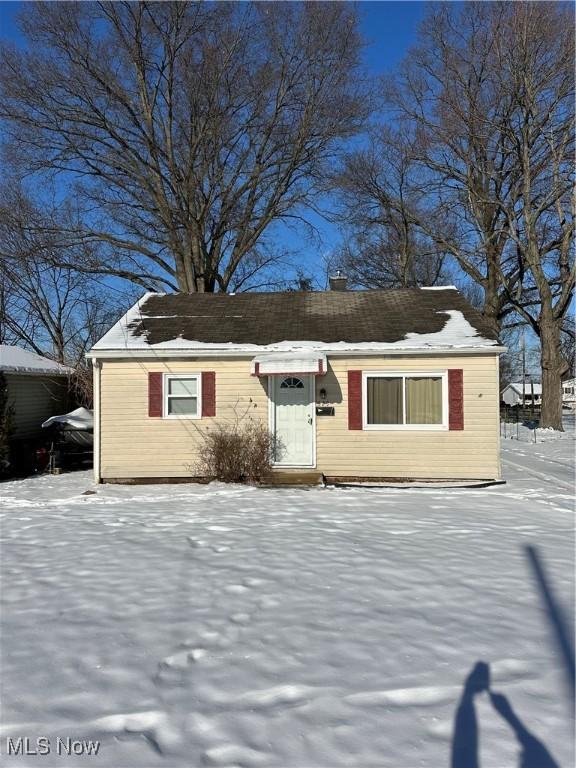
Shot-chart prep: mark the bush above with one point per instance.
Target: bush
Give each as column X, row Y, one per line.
column 242, row 452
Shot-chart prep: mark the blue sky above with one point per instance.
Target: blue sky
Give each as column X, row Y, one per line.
column 389, row 26
column 390, row 29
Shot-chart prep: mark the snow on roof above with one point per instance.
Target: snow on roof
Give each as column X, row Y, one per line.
column 80, row 418
column 410, row 319
column 438, row 288
column 18, row 360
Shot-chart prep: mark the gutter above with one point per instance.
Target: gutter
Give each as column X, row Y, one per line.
column 47, row 372
column 166, row 353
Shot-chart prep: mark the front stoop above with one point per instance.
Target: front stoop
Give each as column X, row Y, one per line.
column 295, row 477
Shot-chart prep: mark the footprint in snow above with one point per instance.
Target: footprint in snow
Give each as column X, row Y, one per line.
column 236, row 589
column 171, row 669
column 198, row 544
column 154, row 726
column 240, row 618
column 183, row 659
column 232, row 754
column 195, row 543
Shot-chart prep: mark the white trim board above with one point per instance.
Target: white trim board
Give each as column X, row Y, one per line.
column 272, row 382
column 166, row 378
column 96, row 366
column 443, row 427
column 250, row 352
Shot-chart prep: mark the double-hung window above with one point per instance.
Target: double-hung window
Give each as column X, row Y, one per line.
column 182, row 396
column 405, row 400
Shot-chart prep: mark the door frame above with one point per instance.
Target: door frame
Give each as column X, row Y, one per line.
column 272, row 415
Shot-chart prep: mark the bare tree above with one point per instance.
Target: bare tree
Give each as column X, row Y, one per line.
column 184, row 129
column 54, row 311
column 535, row 53
column 568, row 346
column 380, row 210
column 449, row 102
column 486, row 102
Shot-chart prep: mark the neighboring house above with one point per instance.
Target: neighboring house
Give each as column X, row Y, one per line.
column 37, row 389
column 355, row 384
column 516, row 391
column 569, row 394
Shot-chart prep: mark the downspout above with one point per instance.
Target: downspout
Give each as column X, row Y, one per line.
column 96, row 366
column 498, row 426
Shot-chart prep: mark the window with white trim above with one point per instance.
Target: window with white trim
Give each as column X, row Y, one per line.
column 405, row 400
column 182, row 396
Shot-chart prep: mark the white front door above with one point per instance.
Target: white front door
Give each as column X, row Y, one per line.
column 293, row 419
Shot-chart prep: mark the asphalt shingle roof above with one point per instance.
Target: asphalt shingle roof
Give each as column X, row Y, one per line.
column 380, row 316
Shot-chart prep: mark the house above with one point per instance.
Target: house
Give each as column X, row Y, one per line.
column 569, row 394
column 37, row 389
column 355, row 384
column 518, row 393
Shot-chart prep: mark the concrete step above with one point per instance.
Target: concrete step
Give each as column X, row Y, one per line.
column 295, row 477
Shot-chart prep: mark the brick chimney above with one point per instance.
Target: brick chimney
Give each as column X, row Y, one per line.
column 338, row 281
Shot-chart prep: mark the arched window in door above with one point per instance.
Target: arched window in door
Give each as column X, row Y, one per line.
column 291, row 382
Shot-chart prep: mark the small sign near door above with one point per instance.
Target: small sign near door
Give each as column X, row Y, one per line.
column 324, row 410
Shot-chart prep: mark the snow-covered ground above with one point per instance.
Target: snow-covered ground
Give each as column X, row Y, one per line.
column 232, row 626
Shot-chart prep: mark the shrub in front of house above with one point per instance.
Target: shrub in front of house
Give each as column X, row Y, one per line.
column 241, row 452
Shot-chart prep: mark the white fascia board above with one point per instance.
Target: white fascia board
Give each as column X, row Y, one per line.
column 45, row 372
column 228, row 352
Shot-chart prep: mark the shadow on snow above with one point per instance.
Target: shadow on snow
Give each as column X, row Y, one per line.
column 533, row 753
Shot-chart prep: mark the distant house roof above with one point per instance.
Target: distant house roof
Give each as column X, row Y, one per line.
column 18, row 360
column 517, row 387
column 337, row 321
column 569, row 396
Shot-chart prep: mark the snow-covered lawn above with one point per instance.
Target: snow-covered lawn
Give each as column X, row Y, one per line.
column 231, row 626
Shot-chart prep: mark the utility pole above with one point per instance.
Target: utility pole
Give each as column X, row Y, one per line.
column 523, row 367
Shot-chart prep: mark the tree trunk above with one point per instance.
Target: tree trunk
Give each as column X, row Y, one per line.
column 492, row 302
column 554, row 366
column 58, row 346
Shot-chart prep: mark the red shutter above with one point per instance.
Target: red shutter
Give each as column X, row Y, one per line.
column 456, row 398
column 154, row 394
column 354, row 399
column 208, row 393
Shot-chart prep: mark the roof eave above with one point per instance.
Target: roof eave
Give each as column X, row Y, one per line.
column 239, row 351
column 35, row 372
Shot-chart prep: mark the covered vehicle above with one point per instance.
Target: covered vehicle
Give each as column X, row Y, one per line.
column 72, row 438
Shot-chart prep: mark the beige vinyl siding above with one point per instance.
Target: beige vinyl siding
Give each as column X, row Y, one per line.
column 468, row 454
column 34, row 399
column 133, row 445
